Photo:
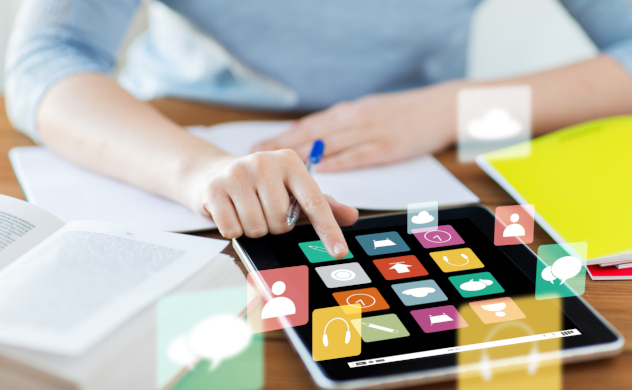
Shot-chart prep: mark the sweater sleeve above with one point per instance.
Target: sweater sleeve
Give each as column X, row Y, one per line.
column 608, row 23
column 55, row 39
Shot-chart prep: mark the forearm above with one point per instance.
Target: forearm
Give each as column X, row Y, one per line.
column 93, row 122
column 587, row 90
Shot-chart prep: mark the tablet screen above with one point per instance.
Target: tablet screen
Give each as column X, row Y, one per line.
column 416, row 292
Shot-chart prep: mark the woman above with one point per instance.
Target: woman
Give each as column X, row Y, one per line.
column 381, row 77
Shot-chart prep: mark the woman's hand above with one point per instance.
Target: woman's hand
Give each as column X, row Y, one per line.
column 376, row 129
column 249, row 195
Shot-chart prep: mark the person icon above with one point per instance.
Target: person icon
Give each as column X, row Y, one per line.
column 278, row 306
column 515, row 229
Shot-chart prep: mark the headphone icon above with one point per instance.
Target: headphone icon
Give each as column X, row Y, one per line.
column 347, row 335
column 463, row 255
column 534, row 358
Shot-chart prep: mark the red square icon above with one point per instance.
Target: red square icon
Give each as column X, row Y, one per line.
column 400, row 267
column 514, row 225
column 284, row 294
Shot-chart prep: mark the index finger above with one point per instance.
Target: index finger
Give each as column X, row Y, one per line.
column 315, row 206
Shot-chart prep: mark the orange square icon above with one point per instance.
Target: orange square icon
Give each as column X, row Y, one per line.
column 368, row 299
column 400, row 267
column 454, row 260
column 497, row 310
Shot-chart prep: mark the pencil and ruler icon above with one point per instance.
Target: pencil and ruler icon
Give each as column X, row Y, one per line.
column 317, row 248
column 380, row 327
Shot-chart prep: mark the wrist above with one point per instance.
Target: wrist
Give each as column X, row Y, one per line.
column 194, row 176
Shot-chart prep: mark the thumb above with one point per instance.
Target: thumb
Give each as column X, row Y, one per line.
column 345, row 215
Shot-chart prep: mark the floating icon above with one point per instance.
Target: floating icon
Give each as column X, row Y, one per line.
column 496, row 124
column 440, row 318
column 401, row 267
column 419, row 292
column 216, row 339
column 564, row 268
column 382, row 328
column 382, row 243
column 278, row 306
column 347, row 334
column 497, row 308
column 514, row 225
column 479, row 285
column 422, row 218
column 515, row 229
column 332, row 335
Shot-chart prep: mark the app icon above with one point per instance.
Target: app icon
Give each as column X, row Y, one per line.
column 286, row 294
column 402, row 267
column 343, row 275
column 443, row 235
column 561, row 270
column 316, row 253
column 514, row 225
column 497, row 310
column 419, row 293
column 476, row 285
column 438, row 319
column 454, row 260
column 378, row 328
column 422, row 215
column 333, row 336
column 382, row 243
column 368, row 299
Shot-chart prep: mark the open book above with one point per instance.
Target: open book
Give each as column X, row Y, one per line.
column 65, row 286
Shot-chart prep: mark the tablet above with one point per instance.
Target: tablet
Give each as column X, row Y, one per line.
column 391, row 270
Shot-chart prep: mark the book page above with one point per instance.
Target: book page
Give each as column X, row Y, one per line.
column 22, row 226
column 88, row 278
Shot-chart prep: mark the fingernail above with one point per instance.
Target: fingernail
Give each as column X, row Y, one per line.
column 339, row 248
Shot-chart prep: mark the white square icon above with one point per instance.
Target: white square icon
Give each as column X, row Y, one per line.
column 343, row 275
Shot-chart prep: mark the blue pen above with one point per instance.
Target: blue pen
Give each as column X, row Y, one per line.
column 314, row 158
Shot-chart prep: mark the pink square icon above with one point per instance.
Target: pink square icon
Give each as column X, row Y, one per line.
column 514, row 225
column 443, row 235
column 284, row 294
column 439, row 319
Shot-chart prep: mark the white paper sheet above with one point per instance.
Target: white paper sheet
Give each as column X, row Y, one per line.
column 88, row 278
column 73, row 193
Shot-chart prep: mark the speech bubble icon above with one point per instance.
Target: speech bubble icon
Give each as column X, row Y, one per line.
column 180, row 353
column 547, row 274
column 566, row 267
column 219, row 338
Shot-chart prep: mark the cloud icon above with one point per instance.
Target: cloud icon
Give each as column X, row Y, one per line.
column 422, row 217
column 496, row 124
column 476, row 285
column 419, row 292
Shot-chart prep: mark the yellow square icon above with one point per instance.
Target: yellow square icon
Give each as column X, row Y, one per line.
column 333, row 335
column 454, row 260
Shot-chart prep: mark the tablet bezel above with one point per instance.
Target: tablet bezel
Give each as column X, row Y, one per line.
column 609, row 340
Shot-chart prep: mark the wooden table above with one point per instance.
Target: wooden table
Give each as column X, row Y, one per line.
column 283, row 369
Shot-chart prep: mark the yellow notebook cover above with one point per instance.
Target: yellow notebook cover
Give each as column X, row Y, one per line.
column 580, row 181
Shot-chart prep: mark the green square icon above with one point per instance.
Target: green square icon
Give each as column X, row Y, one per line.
column 316, row 253
column 378, row 328
column 476, row 285
column 561, row 270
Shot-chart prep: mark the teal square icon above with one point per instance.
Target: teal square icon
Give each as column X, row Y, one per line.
column 419, row 293
column 561, row 270
column 476, row 285
column 316, row 253
column 382, row 243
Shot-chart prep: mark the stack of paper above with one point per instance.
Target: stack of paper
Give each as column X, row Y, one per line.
column 73, row 193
